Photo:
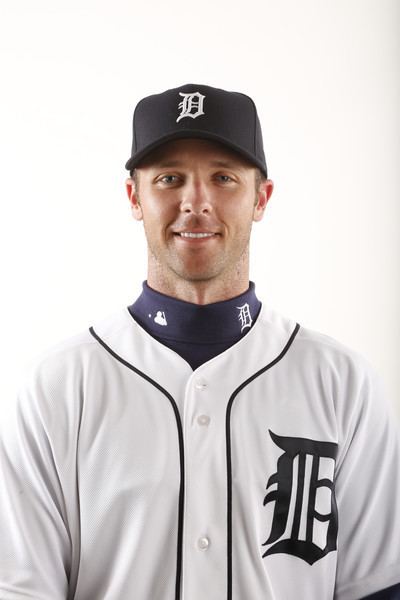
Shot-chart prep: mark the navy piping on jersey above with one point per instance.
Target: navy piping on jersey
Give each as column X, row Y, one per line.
column 229, row 455
column 181, row 452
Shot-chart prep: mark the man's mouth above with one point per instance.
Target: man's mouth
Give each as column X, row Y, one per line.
column 191, row 234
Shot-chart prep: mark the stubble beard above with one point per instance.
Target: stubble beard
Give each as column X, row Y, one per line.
column 167, row 264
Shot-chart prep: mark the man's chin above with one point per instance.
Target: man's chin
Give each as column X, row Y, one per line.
column 195, row 271
column 194, row 276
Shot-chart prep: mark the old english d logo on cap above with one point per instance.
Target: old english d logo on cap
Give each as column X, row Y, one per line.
column 190, row 103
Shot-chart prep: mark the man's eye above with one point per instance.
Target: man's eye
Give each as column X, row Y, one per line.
column 169, row 179
column 224, row 178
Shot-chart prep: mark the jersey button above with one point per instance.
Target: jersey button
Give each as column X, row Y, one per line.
column 200, row 385
column 203, row 419
column 203, row 543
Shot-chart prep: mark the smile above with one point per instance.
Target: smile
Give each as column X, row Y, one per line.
column 188, row 234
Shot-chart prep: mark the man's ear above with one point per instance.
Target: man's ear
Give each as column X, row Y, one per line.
column 134, row 199
column 262, row 196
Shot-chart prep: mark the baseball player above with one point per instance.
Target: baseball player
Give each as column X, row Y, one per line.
column 196, row 443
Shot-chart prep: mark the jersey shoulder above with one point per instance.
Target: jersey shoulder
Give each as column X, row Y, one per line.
column 325, row 358
column 322, row 347
column 340, row 377
column 73, row 352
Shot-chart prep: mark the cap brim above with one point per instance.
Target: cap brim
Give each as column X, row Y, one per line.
column 135, row 160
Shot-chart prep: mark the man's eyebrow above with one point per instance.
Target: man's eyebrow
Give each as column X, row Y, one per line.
column 167, row 163
column 214, row 163
column 227, row 164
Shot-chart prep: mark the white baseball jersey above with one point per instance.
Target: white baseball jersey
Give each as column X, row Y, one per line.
column 271, row 472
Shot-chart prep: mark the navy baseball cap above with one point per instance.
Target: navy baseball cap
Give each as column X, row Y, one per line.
column 197, row 111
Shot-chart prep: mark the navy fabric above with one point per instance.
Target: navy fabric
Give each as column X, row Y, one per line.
column 196, row 332
column 391, row 593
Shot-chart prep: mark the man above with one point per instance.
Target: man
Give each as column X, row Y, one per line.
column 197, row 444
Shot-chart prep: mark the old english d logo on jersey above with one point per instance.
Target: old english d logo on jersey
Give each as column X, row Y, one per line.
column 191, row 105
column 307, row 534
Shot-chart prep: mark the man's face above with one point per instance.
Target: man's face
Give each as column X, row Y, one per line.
column 197, row 200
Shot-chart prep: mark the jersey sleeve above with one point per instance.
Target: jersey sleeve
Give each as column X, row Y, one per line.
column 367, row 489
column 35, row 545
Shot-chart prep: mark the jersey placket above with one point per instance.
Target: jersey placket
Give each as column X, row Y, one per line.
column 204, row 540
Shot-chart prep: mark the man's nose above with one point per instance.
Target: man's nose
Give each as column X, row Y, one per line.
column 196, row 198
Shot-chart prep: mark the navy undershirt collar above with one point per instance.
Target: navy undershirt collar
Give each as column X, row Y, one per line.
column 168, row 318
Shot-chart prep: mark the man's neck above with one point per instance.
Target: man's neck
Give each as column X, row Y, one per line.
column 199, row 292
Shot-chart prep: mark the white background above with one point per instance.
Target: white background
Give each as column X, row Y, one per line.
column 325, row 78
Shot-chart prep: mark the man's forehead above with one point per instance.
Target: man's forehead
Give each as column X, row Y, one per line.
column 173, row 153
